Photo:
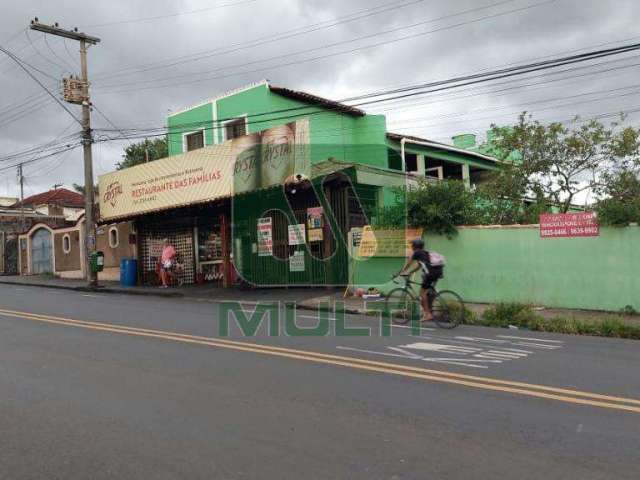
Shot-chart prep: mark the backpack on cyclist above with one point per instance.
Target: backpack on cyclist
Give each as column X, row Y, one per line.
column 437, row 259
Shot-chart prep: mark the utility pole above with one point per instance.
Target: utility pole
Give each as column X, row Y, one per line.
column 21, row 178
column 77, row 91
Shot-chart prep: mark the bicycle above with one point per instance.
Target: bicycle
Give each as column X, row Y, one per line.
column 447, row 306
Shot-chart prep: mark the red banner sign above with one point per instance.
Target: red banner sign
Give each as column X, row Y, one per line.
column 562, row 225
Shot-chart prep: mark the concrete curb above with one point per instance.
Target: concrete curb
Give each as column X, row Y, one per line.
column 123, row 291
column 171, row 294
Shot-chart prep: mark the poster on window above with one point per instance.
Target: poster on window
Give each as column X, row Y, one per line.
column 265, row 237
column 297, row 234
column 315, row 224
column 296, row 261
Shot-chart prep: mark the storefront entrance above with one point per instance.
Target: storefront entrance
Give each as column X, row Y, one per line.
column 195, row 233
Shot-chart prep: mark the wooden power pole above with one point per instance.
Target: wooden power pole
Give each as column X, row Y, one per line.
column 21, row 178
column 77, row 91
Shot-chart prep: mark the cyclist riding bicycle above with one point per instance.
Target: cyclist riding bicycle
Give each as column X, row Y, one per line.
column 431, row 265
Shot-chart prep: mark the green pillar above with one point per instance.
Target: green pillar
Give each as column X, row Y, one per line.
column 466, row 175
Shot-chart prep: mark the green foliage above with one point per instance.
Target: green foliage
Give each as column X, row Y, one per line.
column 505, row 314
column 440, row 206
column 392, row 216
column 80, row 188
column 621, row 203
column 629, row 311
column 556, row 163
column 136, row 153
column 522, row 316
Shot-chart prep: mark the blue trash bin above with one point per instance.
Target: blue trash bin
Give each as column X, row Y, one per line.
column 128, row 272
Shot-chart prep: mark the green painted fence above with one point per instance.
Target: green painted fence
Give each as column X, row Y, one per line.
column 507, row 264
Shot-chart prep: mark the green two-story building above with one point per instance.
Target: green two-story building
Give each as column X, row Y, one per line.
column 302, row 171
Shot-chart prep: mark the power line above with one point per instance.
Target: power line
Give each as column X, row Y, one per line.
column 261, row 41
column 53, row 52
column 469, row 114
column 15, row 59
column 66, row 47
column 40, row 54
column 324, row 48
column 171, row 15
column 431, row 87
column 37, row 159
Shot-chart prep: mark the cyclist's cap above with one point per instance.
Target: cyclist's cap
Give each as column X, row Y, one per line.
column 417, row 243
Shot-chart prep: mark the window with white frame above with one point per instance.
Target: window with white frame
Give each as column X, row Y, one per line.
column 66, row 243
column 235, row 128
column 194, row 141
column 114, row 237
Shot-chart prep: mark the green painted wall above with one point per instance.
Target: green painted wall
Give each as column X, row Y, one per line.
column 192, row 120
column 333, row 135
column 514, row 264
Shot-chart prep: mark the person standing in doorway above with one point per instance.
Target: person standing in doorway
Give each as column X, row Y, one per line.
column 167, row 262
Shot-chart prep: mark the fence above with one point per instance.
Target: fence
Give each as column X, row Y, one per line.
column 513, row 264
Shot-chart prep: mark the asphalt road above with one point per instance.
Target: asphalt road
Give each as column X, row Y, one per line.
column 109, row 386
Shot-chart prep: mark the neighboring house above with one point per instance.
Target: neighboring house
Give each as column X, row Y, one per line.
column 231, row 156
column 60, row 251
column 7, row 201
column 17, row 217
column 468, row 141
column 59, row 201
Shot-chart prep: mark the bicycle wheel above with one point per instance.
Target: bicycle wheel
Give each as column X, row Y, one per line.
column 398, row 304
column 448, row 309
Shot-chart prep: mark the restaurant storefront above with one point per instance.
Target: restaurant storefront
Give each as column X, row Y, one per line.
column 252, row 209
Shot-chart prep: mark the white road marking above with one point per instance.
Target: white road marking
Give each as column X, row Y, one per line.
column 315, row 317
column 452, row 362
column 516, row 350
column 438, row 347
column 350, row 349
column 91, row 296
column 530, row 339
column 479, row 339
column 473, row 352
column 408, row 354
column 539, row 345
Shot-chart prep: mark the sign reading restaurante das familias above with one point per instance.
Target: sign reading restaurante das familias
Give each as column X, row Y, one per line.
column 248, row 163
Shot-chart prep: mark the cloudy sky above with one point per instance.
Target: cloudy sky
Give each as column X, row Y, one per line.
column 159, row 55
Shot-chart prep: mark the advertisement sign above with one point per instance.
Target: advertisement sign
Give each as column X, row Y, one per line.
column 565, row 225
column 387, row 243
column 315, row 224
column 155, row 247
column 316, row 235
column 297, row 234
column 241, row 165
column 296, row 261
column 265, row 237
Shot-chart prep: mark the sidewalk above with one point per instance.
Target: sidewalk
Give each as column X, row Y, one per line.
column 205, row 292
column 306, row 298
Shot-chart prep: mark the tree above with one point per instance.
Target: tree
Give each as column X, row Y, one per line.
column 555, row 164
column 438, row 207
column 136, row 153
column 620, row 204
column 80, row 188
